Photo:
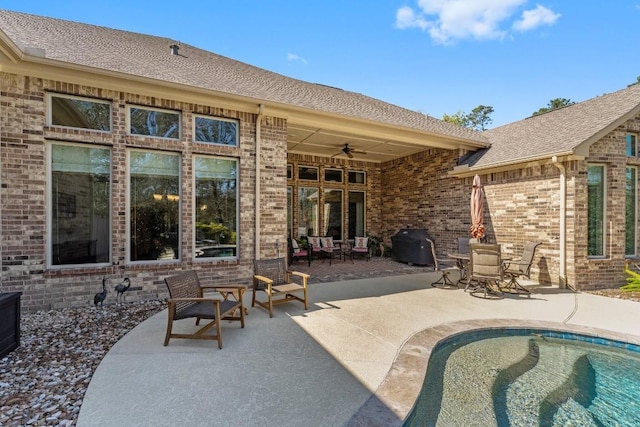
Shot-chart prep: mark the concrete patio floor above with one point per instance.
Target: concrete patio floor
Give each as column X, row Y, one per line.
column 339, row 363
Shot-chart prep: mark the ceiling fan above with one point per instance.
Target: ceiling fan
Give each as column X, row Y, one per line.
column 349, row 151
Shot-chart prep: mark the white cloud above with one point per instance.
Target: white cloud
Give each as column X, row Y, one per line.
column 449, row 20
column 536, row 17
column 291, row 57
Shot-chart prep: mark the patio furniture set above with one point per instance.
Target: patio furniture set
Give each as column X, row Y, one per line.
column 190, row 299
column 327, row 248
column 486, row 272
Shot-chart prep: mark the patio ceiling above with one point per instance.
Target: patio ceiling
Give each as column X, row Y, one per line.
column 379, row 148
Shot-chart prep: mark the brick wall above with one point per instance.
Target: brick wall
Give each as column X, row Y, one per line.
column 23, row 137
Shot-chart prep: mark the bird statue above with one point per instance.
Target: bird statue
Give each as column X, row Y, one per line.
column 101, row 296
column 121, row 288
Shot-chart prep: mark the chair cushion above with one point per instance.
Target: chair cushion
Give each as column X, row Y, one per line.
column 294, row 246
column 361, row 243
column 327, row 242
column 314, row 242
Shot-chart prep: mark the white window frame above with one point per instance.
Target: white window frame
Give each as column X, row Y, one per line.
column 604, row 212
column 215, row 118
column 193, row 203
column 159, row 110
column 51, row 95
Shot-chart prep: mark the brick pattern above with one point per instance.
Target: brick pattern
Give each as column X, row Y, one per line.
column 412, row 192
column 23, row 139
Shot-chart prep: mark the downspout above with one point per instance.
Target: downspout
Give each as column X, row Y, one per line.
column 562, row 278
column 257, row 192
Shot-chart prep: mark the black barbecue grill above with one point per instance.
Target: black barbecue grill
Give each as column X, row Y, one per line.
column 413, row 246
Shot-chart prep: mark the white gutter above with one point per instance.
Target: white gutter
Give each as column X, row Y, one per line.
column 257, row 192
column 562, row 277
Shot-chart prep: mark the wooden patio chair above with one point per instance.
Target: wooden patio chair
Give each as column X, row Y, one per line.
column 520, row 267
column 272, row 277
column 485, row 270
column 187, row 300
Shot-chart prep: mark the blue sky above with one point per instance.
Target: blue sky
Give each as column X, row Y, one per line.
column 432, row 56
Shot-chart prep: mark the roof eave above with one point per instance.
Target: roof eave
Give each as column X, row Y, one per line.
column 463, row 171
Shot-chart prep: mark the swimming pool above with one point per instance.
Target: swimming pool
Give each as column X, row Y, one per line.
column 529, row 377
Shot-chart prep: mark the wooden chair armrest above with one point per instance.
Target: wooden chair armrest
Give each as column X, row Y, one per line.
column 263, row 279
column 300, row 274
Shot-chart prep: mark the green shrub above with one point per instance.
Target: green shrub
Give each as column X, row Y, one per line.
column 633, row 280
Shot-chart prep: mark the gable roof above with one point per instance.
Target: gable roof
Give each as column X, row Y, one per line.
column 122, row 53
column 566, row 131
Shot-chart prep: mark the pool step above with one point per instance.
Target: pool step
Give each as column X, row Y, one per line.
column 542, row 386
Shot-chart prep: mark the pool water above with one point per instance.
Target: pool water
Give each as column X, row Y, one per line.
column 530, row 378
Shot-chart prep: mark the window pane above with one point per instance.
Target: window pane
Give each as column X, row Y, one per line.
column 308, row 201
column 216, row 131
column 216, row 207
column 80, row 209
column 333, row 175
column 163, row 124
column 154, row 206
column 80, row 113
column 630, row 213
column 356, row 214
column 289, row 172
column 356, row 177
column 332, row 214
column 631, row 145
column 595, row 200
column 308, row 172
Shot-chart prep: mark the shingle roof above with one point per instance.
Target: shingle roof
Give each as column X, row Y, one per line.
column 149, row 56
column 559, row 131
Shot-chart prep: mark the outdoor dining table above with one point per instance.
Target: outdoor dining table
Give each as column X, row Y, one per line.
column 462, row 262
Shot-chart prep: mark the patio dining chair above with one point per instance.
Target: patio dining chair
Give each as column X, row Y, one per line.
column 485, row 270
column 297, row 252
column 520, row 267
column 360, row 247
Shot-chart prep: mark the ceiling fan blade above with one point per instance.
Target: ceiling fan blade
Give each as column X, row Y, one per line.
column 349, row 154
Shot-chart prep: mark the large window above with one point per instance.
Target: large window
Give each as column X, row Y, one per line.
column 631, row 209
column 79, row 214
column 75, row 112
column 332, row 214
column 596, row 210
column 154, row 206
column 149, row 122
column 356, row 214
column 308, row 210
column 215, row 130
column 216, row 207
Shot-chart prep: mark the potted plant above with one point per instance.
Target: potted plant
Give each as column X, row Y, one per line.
column 375, row 245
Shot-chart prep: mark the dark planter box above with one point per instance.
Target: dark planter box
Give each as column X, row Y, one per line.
column 9, row 322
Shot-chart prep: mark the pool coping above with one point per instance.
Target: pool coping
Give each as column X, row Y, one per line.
column 395, row 397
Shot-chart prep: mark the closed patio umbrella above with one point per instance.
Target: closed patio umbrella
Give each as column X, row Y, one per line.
column 477, row 209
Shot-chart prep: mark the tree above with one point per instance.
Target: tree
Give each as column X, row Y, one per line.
column 636, row 82
column 554, row 104
column 477, row 119
column 459, row 118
